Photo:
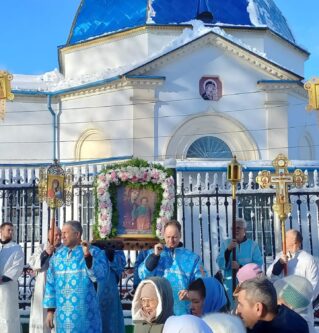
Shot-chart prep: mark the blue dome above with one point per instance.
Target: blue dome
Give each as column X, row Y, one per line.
column 97, row 17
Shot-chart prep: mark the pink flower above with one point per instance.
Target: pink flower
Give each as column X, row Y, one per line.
column 104, row 216
column 105, row 229
column 101, row 191
column 124, row 176
column 155, row 174
column 103, row 204
column 102, row 178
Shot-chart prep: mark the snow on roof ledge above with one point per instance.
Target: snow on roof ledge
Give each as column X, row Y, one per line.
column 200, row 165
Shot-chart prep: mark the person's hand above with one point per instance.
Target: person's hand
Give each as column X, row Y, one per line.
column 86, row 248
column 283, row 259
column 50, row 318
column 49, row 249
column 235, row 265
column 158, row 248
column 183, row 295
column 232, row 245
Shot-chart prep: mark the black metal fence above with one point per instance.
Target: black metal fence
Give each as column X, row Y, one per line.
column 205, row 210
column 203, row 207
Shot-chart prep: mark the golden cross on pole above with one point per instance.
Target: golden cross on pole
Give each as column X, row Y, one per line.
column 234, row 177
column 281, row 179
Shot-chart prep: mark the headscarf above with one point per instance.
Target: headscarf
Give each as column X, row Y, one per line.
column 248, row 271
column 215, row 295
column 224, row 323
column 295, row 291
column 148, row 290
column 164, row 294
column 186, row 324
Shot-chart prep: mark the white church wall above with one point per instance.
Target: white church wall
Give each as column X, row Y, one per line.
column 103, row 53
column 26, row 133
column 241, row 99
column 108, row 112
column 303, row 130
column 275, row 48
column 285, row 54
column 159, row 37
column 251, row 37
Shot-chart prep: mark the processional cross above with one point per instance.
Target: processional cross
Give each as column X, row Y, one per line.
column 281, row 179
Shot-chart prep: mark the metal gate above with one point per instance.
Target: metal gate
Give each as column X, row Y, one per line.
column 203, row 207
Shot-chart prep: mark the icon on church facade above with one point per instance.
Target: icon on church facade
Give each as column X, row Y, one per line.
column 210, row 88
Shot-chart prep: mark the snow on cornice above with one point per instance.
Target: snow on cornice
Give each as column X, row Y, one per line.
column 55, row 81
column 246, row 165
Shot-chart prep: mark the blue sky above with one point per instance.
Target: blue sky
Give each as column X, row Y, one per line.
column 31, row 30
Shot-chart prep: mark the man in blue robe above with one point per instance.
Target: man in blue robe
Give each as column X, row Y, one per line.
column 175, row 263
column 70, row 294
column 108, row 293
column 247, row 251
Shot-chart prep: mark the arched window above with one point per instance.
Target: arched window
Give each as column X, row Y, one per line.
column 306, row 148
column 209, row 147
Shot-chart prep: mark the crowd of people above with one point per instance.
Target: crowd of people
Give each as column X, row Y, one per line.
column 76, row 288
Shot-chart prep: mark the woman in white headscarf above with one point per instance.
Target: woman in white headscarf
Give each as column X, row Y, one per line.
column 186, row 324
column 224, row 323
column 296, row 292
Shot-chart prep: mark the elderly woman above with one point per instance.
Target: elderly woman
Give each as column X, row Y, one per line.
column 152, row 305
column 172, row 261
column 247, row 251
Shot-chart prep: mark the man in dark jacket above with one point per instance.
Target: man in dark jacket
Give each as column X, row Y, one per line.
column 257, row 307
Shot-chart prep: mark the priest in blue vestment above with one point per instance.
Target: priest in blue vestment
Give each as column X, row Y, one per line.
column 70, row 295
column 178, row 265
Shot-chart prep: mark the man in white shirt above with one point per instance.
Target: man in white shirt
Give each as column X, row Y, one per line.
column 11, row 267
column 39, row 262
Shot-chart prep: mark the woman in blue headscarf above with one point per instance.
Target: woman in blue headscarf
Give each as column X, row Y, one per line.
column 206, row 295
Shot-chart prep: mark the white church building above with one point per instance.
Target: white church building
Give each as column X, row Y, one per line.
column 191, row 81
column 131, row 82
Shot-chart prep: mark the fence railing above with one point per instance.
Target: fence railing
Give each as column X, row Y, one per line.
column 203, row 207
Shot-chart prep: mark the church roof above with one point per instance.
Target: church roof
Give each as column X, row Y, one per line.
column 99, row 17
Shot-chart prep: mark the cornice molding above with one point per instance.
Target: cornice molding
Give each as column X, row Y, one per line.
column 114, row 85
column 275, row 87
column 213, row 39
column 118, row 36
